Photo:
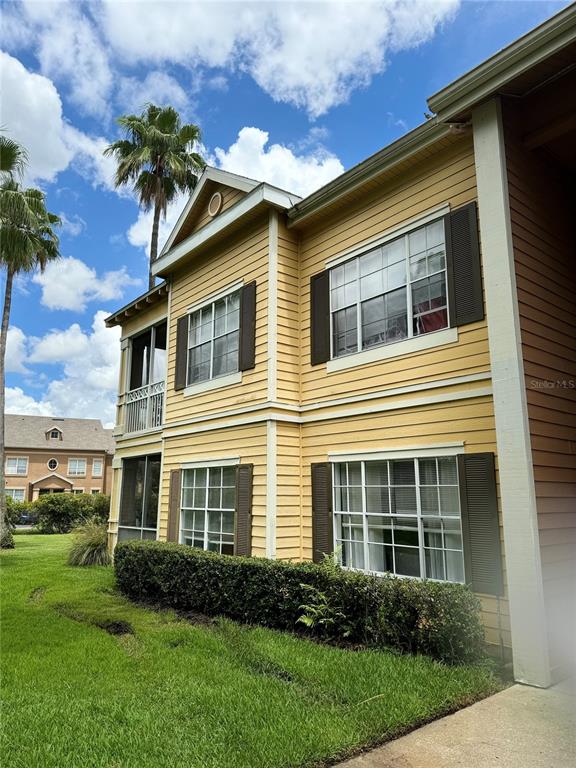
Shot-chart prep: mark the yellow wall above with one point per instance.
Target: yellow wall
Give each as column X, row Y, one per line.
column 243, row 257
column 199, row 216
column 449, row 177
column 246, row 442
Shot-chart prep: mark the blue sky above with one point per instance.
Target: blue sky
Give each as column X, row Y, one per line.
column 289, row 92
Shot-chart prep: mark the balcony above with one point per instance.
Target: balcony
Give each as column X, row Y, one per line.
column 143, row 407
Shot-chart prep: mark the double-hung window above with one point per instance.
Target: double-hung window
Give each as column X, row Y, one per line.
column 96, row 467
column 213, row 339
column 76, row 467
column 17, row 494
column 399, row 516
column 17, row 465
column 392, row 292
column 207, row 508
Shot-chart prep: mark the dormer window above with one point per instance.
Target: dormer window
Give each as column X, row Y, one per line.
column 54, row 434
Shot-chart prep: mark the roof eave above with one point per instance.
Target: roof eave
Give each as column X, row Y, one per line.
column 153, row 296
column 459, row 97
column 421, row 137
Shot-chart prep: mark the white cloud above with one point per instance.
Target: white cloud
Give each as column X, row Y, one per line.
column 250, row 155
column 31, row 111
column 73, row 225
column 70, row 284
column 312, row 55
column 16, row 350
column 156, row 88
column 69, row 49
column 140, row 232
column 90, row 366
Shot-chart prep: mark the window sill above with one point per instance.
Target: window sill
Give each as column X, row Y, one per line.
column 217, row 383
column 387, row 351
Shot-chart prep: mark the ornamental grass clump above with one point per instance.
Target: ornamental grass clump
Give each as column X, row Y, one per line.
column 90, row 545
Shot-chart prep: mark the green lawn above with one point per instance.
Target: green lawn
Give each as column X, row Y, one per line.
column 176, row 694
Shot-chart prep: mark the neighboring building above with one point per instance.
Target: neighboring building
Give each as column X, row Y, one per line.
column 55, row 455
column 386, row 368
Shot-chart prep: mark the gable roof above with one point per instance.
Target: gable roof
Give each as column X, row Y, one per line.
column 24, row 432
column 243, row 183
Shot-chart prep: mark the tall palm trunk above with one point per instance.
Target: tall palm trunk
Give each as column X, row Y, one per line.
column 6, row 539
column 154, row 243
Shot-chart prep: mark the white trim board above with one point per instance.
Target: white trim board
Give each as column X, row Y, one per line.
column 218, row 382
column 229, row 461
column 271, row 486
column 360, row 411
column 201, row 303
column 516, row 475
column 395, row 349
column 272, row 320
column 390, row 234
column 400, row 452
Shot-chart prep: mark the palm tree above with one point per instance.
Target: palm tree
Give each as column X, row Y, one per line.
column 158, row 160
column 27, row 242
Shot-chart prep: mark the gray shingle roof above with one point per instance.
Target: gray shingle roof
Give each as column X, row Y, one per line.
column 77, row 434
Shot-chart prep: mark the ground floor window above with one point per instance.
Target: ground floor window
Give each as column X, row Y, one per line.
column 400, row 516
column 138, row 518
column 207, row 508
column 15, row 493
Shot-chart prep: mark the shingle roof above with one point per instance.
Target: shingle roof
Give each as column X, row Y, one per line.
column 77, row 434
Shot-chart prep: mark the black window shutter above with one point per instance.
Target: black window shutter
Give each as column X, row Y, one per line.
column 173, row 532
column 243, row 521
column 181, row 352
column 480, row 529
column 320, row 318
column 247, row 345
column 463, row 266
column 322, row 530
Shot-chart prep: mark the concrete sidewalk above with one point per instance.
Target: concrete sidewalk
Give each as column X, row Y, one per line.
column 520, row 727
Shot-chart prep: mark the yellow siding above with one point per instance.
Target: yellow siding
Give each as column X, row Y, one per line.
column 243, row 257
column 470, row 421
column 449, row 177
column 289, row 496
column 248, row 443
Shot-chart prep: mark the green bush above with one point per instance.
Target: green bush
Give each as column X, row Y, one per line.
column 440, row 620
column 60, row 512
column 15, row 510
column 90, row 545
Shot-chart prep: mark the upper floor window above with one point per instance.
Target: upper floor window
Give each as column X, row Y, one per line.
column 53, row 464
column 148, row 357
column 54, row 434
column 213, row 338
column 76, row 467
column 400, row 516
column 392, row 292
column 17, row 465
column 96, row 467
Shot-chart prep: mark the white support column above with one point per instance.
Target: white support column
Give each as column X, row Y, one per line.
column 519, row 515
column 271, row 487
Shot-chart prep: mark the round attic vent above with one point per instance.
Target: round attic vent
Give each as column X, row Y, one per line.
column 215, row 204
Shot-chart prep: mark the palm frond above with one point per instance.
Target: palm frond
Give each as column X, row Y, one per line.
column 13, row 157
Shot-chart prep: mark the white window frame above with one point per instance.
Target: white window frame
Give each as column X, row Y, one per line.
column 51, row 434
column 101, row 462
column 76, row 491
column 225, row 379
column 17, row 459
column 95, row 491
column 10, row 493
column 449, row 450
column 149, row 457
column 207, row 465
column 77, row 474
column 411, row 342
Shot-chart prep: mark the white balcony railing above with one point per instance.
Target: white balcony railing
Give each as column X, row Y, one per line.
column 143, row 407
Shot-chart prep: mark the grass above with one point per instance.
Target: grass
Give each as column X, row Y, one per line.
column 91, row 680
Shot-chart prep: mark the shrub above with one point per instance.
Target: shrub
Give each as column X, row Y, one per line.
column 19, row 511
column 60, row 512
column 437, row 619
column 90, row 545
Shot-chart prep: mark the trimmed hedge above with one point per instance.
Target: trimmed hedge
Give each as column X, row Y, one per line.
column 60, row 512
column 440, row 620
